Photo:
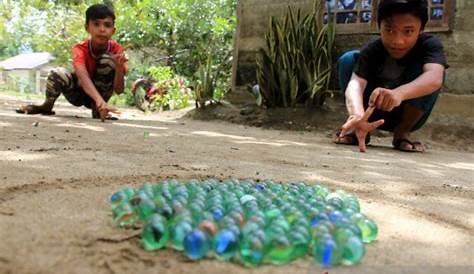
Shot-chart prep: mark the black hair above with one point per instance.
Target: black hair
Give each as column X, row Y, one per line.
column 388, row 8
column 99, row 11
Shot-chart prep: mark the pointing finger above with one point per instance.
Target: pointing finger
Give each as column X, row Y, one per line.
column 368, row 112
column 373, row 97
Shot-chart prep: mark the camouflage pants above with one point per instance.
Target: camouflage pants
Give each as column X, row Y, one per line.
column 60, row 80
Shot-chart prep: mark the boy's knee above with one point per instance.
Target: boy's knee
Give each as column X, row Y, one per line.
column 345, row 65
column 105, row 64
column 348, row 58
column 104, row 77
column 59, row 79
column 61, row 75
column 424, row 103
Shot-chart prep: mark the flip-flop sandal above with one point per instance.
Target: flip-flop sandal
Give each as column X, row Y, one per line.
column 110, row 118
column 397, row 144
column 33, row 110
column 353, row 141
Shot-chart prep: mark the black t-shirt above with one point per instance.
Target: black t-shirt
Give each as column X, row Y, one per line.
column 375, row 64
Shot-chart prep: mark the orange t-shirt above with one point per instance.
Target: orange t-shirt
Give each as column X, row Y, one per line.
column 82, row 55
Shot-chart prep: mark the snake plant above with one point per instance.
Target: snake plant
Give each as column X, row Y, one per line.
column 295, row 66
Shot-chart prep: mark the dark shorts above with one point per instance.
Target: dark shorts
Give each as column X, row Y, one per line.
column 425, row 103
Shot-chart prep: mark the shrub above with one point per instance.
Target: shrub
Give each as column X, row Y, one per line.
column 296, row 65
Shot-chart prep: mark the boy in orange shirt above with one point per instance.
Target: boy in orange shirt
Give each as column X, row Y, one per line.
column 99, row 67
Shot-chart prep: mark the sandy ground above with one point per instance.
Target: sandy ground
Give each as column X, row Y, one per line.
column 57, row 173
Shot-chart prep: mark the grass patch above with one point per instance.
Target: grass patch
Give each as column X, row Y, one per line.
column 27, row 96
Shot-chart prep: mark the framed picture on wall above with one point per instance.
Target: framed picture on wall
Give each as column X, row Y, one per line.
column 359, row 16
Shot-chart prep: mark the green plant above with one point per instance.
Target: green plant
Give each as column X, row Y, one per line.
column 179, row 93
column 122, row 100
column 161, row 73
column 205, row 83
column 159, row 103
column 19, row 84
column 173, row 27
column 167, row 95
column 296, row 65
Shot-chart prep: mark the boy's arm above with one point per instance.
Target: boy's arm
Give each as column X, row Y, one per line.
column 121, row 68
column 89, row 88
column 354, row 95
column 87, row 85
column 428, row 82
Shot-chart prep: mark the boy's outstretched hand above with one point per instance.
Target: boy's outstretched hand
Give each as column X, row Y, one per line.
column 361, row 126
column 104, row 110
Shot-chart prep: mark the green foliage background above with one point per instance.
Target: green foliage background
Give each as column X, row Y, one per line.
column 188, row 31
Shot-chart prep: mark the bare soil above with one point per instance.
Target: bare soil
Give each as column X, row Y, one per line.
column 57, row 173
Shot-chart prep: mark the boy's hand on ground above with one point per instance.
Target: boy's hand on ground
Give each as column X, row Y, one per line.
column 361, row 126
column 104, row 110
column 385, row 99
column 350, row 125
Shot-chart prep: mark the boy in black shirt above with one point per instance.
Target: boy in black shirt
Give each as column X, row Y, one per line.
column 394, row 81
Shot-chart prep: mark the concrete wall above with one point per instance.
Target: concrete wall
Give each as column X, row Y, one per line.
column 21, row 79
column 459, row 48
column 24, row 80
column 253, row 20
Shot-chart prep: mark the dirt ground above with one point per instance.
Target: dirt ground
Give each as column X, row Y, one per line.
column 57, row 173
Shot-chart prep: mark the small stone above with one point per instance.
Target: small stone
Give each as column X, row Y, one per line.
column 247, row 110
